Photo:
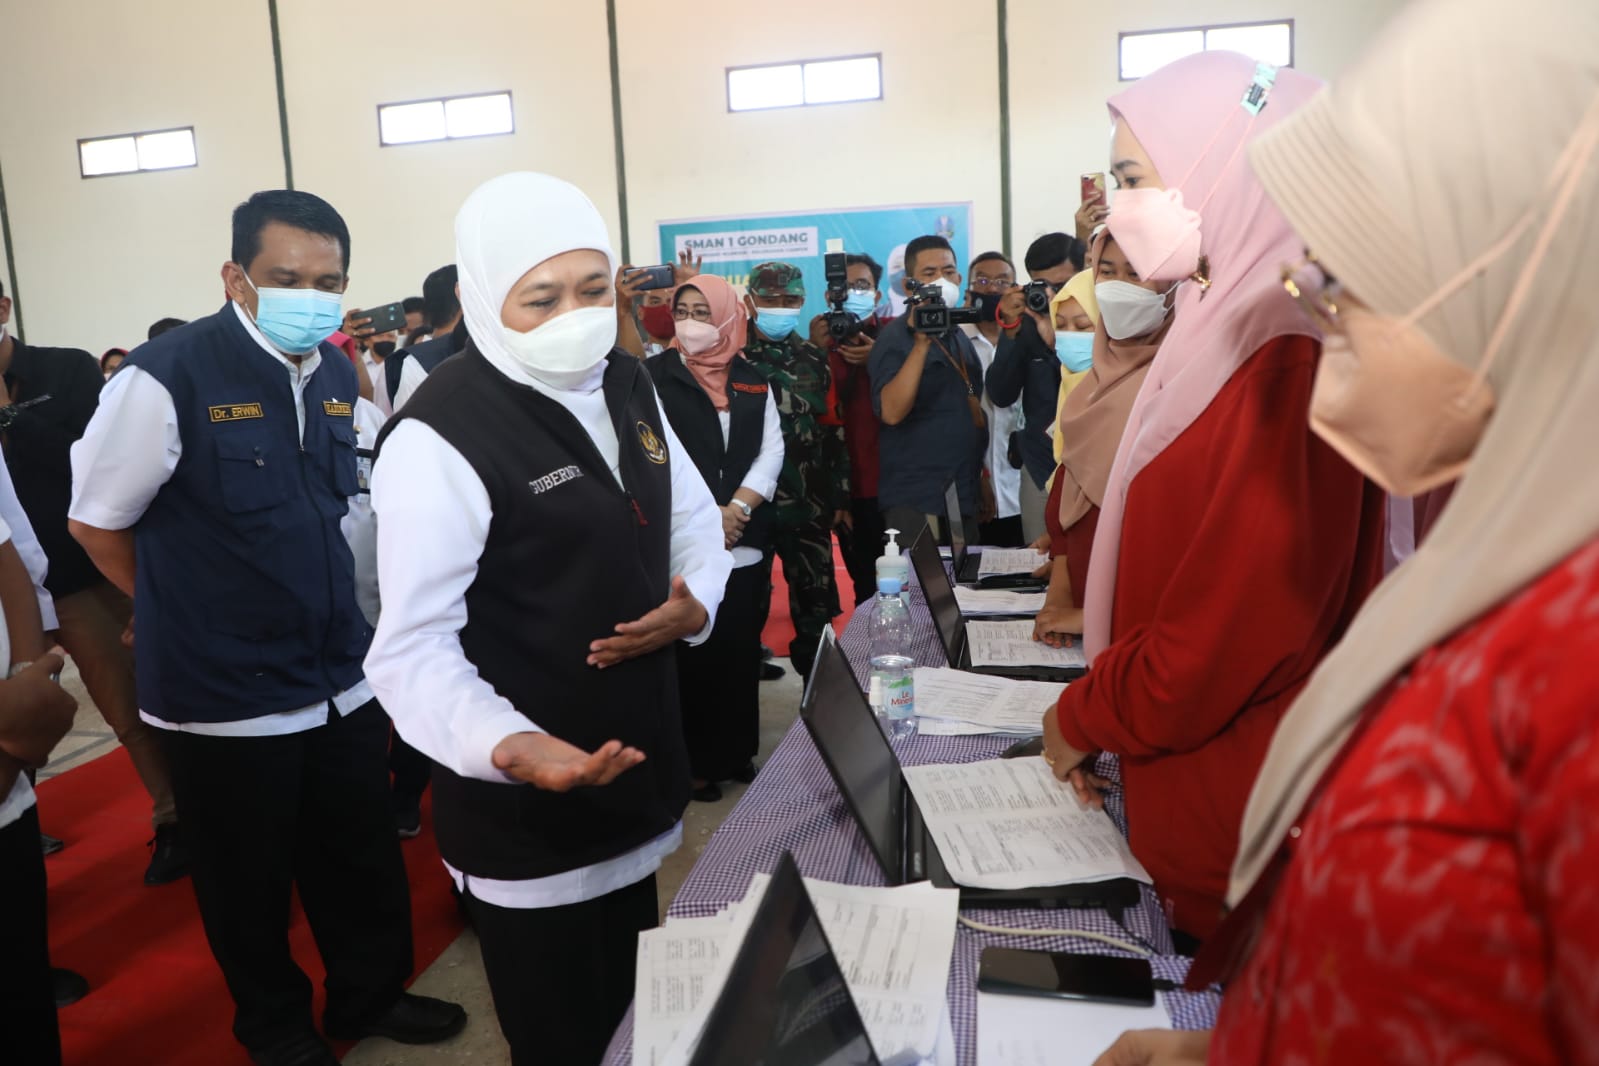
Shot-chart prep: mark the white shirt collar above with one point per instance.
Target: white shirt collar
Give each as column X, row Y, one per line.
column 303, row 369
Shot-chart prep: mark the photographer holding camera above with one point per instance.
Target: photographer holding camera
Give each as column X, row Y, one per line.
column 990, row 277
column 1026, row 367
column 850, row 406
column 927, row 387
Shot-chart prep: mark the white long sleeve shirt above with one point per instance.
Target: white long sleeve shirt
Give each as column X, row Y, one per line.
column 1002, row 422
column 27, row 544
column 13, row 804
column 129, row 450
column 360, row 524
column 433, row 521
column 411, row 377
column 761, row 478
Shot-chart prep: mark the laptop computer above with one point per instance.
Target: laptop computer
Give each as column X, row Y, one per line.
column 785, row 1002
column 951, row 624
column 863, row 765
column 968, row 562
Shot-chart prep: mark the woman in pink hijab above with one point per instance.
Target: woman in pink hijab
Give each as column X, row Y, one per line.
column 1233, row 545
column 721, row 409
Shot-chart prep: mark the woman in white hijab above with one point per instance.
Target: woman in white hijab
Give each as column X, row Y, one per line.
column 1418, row 873
column 542, row 546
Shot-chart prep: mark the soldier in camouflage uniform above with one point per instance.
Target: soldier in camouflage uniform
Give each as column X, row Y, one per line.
column 813, row 492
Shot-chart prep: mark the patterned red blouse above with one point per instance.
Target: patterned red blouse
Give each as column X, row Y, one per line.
column 1441, row 903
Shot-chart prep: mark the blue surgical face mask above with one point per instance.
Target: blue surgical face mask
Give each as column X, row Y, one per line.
column 1076, row 350
column 295, row 321
column 777, row 322
column 860, row 304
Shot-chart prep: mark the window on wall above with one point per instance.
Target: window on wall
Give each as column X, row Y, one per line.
column 816, row 81
column 1268, row 42
column 444, row 119
column 130, row 153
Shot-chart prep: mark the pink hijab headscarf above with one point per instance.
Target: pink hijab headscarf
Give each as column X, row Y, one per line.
column 710, row 367
column 1189, row 117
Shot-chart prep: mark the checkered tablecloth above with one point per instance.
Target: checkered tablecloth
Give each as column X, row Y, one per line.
column 794, row 806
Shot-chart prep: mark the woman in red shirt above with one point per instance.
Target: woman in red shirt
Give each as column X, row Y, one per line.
column 1233, row 546
column 1128, row 329
column 1418, row 874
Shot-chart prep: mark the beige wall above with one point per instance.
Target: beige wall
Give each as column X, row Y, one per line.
column 933, row 137
column 99, row 259
column 400, row 201
column 1063, row 64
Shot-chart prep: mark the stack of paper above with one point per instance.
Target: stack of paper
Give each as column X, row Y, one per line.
column 1028, row 1030
column 957, row 703
column 995, row 562
column 893, row 946
column 998, row 601
column 1012, row 644
column 1007, row 823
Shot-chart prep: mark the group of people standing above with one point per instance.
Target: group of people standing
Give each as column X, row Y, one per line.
column 1339, row 750
column 1305, row 303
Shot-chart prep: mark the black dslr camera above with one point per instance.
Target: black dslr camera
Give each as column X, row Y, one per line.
column 1038, row 294
column 841, row 324
column 930, row 314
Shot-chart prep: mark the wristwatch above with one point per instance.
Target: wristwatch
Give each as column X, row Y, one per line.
column 742, row 506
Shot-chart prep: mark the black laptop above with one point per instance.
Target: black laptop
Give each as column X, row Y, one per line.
column 968, row 562
column 785, row 1002
column 951, row 624
column 846, row 733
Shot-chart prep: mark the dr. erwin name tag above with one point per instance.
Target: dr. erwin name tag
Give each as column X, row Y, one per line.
column 335, row 409
column 231, row 412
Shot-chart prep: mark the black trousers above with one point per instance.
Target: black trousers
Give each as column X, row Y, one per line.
column 28, row 1032
column 562, row 977
column 862, row 545
column 311, row 810
column 1002, row 532
column 411, row 770
column 806, row 549
column 718, row 683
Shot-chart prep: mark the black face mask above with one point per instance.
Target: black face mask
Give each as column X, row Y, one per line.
column 987, row 304
column 383, row 349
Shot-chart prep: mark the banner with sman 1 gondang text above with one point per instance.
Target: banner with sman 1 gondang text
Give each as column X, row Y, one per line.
column 732, row 246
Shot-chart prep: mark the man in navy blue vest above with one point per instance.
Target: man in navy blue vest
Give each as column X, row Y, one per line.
column 209, row 485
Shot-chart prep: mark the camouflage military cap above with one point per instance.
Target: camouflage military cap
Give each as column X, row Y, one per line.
column 777, row 279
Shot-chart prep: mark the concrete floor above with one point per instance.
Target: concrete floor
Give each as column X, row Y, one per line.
column 457, row 974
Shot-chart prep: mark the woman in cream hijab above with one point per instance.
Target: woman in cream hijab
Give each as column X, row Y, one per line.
column 1418, row 872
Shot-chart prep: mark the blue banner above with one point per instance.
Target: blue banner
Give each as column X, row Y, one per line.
column 731, row 247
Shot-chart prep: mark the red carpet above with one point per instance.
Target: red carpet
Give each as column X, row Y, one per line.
column 158, row 997
column 779, row 631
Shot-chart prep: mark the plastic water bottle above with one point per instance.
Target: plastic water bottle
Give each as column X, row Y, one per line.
column 893, row 682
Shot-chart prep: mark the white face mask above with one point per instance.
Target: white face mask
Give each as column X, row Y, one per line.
column 951, row 291
column 696, row 337
column 572, row 343
column 1129, row 310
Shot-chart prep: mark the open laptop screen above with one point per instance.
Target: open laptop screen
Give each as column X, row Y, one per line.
column 785, row 1002
column 852, row 744
column 957, row 527
column 939, row 593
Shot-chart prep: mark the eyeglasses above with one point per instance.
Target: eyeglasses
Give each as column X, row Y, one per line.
column 861, row 285
column 982, row 284
column 699, row 314
column 1317, row 291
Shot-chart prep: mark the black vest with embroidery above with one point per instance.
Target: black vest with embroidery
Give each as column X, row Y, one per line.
column 570, row 553
column 695, row 421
